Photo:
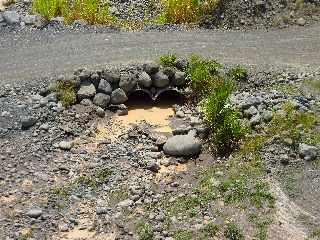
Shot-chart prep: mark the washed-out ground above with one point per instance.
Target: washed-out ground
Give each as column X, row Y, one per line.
column 74, row 175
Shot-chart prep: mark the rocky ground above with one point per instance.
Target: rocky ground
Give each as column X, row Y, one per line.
column 79, row 173
column 137, row 14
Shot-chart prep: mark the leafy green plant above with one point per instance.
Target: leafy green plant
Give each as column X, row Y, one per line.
column 168, row 60
column 185, row 11
column 66, row 92
column 183, row 234
column 144, row 231
column 232, row 232
column 238, row 73
column 223, row 122
column 202, row 74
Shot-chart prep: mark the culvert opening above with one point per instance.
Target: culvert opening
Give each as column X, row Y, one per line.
column 155, row 112
column 164, row 99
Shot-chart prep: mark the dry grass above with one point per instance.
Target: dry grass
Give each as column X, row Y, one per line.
column 185, row 11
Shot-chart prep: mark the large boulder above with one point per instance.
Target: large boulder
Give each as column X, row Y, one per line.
column 179, row 78
column 160, row 80
column 127, row 81
column 308, row 152
column 11, row 17
column 86, row 91
column 101, row 100
column 118, row 96
column 112, row 76
column 182, row 145
column 151, row 68
column 144, row 80
column 104, row 87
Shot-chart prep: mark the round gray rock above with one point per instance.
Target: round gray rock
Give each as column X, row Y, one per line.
column 34, row 213
column 101, row 100
column 182, row 145
column 104, row 87
column 160, row 80
column 11, row 17
column 118, row 96
column 144, row 80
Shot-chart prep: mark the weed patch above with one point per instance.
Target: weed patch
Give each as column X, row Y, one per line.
column 66, row 92
column 144, row 231
column 168, row 60
column 238, row 73
column 233, row 232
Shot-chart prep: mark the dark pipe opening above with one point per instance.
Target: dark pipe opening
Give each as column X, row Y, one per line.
column 142, row 99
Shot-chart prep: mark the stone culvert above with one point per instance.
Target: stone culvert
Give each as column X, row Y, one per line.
column 112, row 87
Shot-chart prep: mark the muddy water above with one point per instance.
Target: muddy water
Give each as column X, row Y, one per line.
column 158, row 113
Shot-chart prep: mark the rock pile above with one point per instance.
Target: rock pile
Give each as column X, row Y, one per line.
column 113, row 86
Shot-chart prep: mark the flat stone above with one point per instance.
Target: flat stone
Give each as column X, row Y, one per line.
column 34, row 213
column 65, row 145
column 28, row 122
column 86, row 91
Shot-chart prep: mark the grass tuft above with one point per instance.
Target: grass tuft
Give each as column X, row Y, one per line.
column 91, row 11
column 238, row 73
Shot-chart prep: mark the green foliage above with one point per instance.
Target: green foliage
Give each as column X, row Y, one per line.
column 232, row 232
column 168, row 60
column 95, row 180
column 314, row 85
column 238, row 73
column 49, row 8
column 223, row 122
column 144, row 231
column 202, row 74
column 183, row 234
column 261, row 223
column 287, row 126
column 209, row 231
column 185, row 11
column 66, row 92
column 92, row 11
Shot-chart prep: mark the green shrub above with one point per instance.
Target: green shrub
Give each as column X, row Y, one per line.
column 224, row 124
column 168, row 60
column 185, row 11
column 232, row 232
column 183, row 234
column 66, row 92
column 238, row 73
column 92, row 11
column 202, row 74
